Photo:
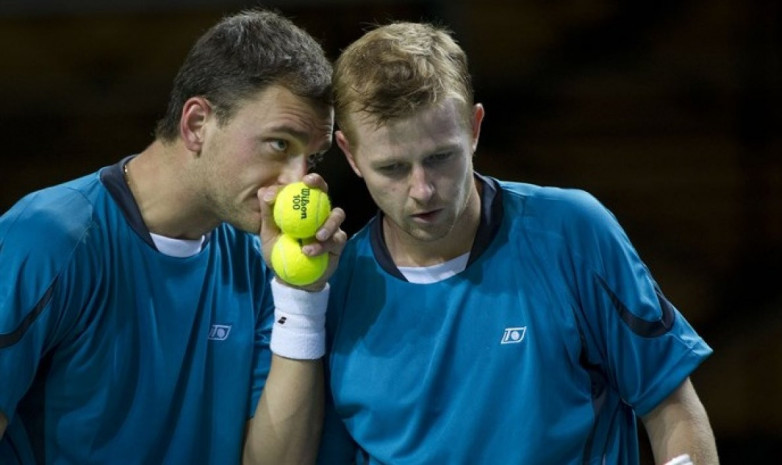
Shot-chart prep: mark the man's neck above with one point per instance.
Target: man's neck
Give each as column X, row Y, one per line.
column 161, row 185
column 406, row 250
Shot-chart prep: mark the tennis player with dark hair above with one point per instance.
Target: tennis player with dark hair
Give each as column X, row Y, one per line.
column 136, row 307
column 477, row 320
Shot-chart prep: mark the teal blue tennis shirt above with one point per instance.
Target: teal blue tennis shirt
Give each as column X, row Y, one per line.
column 112, row 352
column 542, row 351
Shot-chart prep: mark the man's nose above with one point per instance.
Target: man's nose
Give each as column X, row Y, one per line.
column 421, row 188
column 294, row 170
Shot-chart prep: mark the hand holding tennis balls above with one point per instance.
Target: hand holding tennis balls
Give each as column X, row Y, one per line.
column 299, row 211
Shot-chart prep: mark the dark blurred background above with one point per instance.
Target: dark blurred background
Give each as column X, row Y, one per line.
column 668, row 111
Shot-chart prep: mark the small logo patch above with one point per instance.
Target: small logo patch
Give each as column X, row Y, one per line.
column 219, row 332
column 513, row 335
column 282, row 320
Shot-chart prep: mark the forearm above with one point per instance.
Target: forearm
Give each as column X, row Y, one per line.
column 686, row 437
column 680, row 425
column 288, row 420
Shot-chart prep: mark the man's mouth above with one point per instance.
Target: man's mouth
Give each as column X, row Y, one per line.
column 426, row 216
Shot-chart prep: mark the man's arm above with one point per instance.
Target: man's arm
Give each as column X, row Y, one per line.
column 679, row 425
column 287, row 424
column 3, row 424
column 288, row 420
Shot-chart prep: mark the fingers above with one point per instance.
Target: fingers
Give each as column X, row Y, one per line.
column 315, row 180
column 330, row 238
column 333, row 247
column 331, row 225
column 333, row 242
column 269, row 230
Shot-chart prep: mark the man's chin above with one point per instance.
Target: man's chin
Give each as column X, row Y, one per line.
column 250, row 224
column 430, row 234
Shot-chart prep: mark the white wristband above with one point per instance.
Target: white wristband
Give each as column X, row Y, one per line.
column 683, row 459
column 299, row 330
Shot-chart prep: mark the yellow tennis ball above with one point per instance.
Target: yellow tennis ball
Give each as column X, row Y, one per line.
column 300, row 210
column 292, row 266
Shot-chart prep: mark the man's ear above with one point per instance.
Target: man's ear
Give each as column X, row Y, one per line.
column 344, row 145
column 192, row 124
column 477, row 119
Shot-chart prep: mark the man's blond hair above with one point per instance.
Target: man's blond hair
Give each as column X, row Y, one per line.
column 393, row 71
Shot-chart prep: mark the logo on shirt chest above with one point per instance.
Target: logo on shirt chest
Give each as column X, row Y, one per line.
column 513, row 335
column 219, row 332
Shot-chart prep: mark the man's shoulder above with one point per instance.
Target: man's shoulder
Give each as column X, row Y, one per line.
column 43, row 233
column 552, row 202
column 562, row 213
column 62, row 211
column 564, row 196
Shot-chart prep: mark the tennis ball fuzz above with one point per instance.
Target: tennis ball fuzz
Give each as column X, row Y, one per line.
column 292, row 266
column 300, row 210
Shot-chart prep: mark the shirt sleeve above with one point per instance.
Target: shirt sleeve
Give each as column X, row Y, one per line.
column 641, row 341
column 42, row 288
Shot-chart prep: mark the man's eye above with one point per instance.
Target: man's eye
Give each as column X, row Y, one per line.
column 438, row 157
column 279, row 145
column 390, row 169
